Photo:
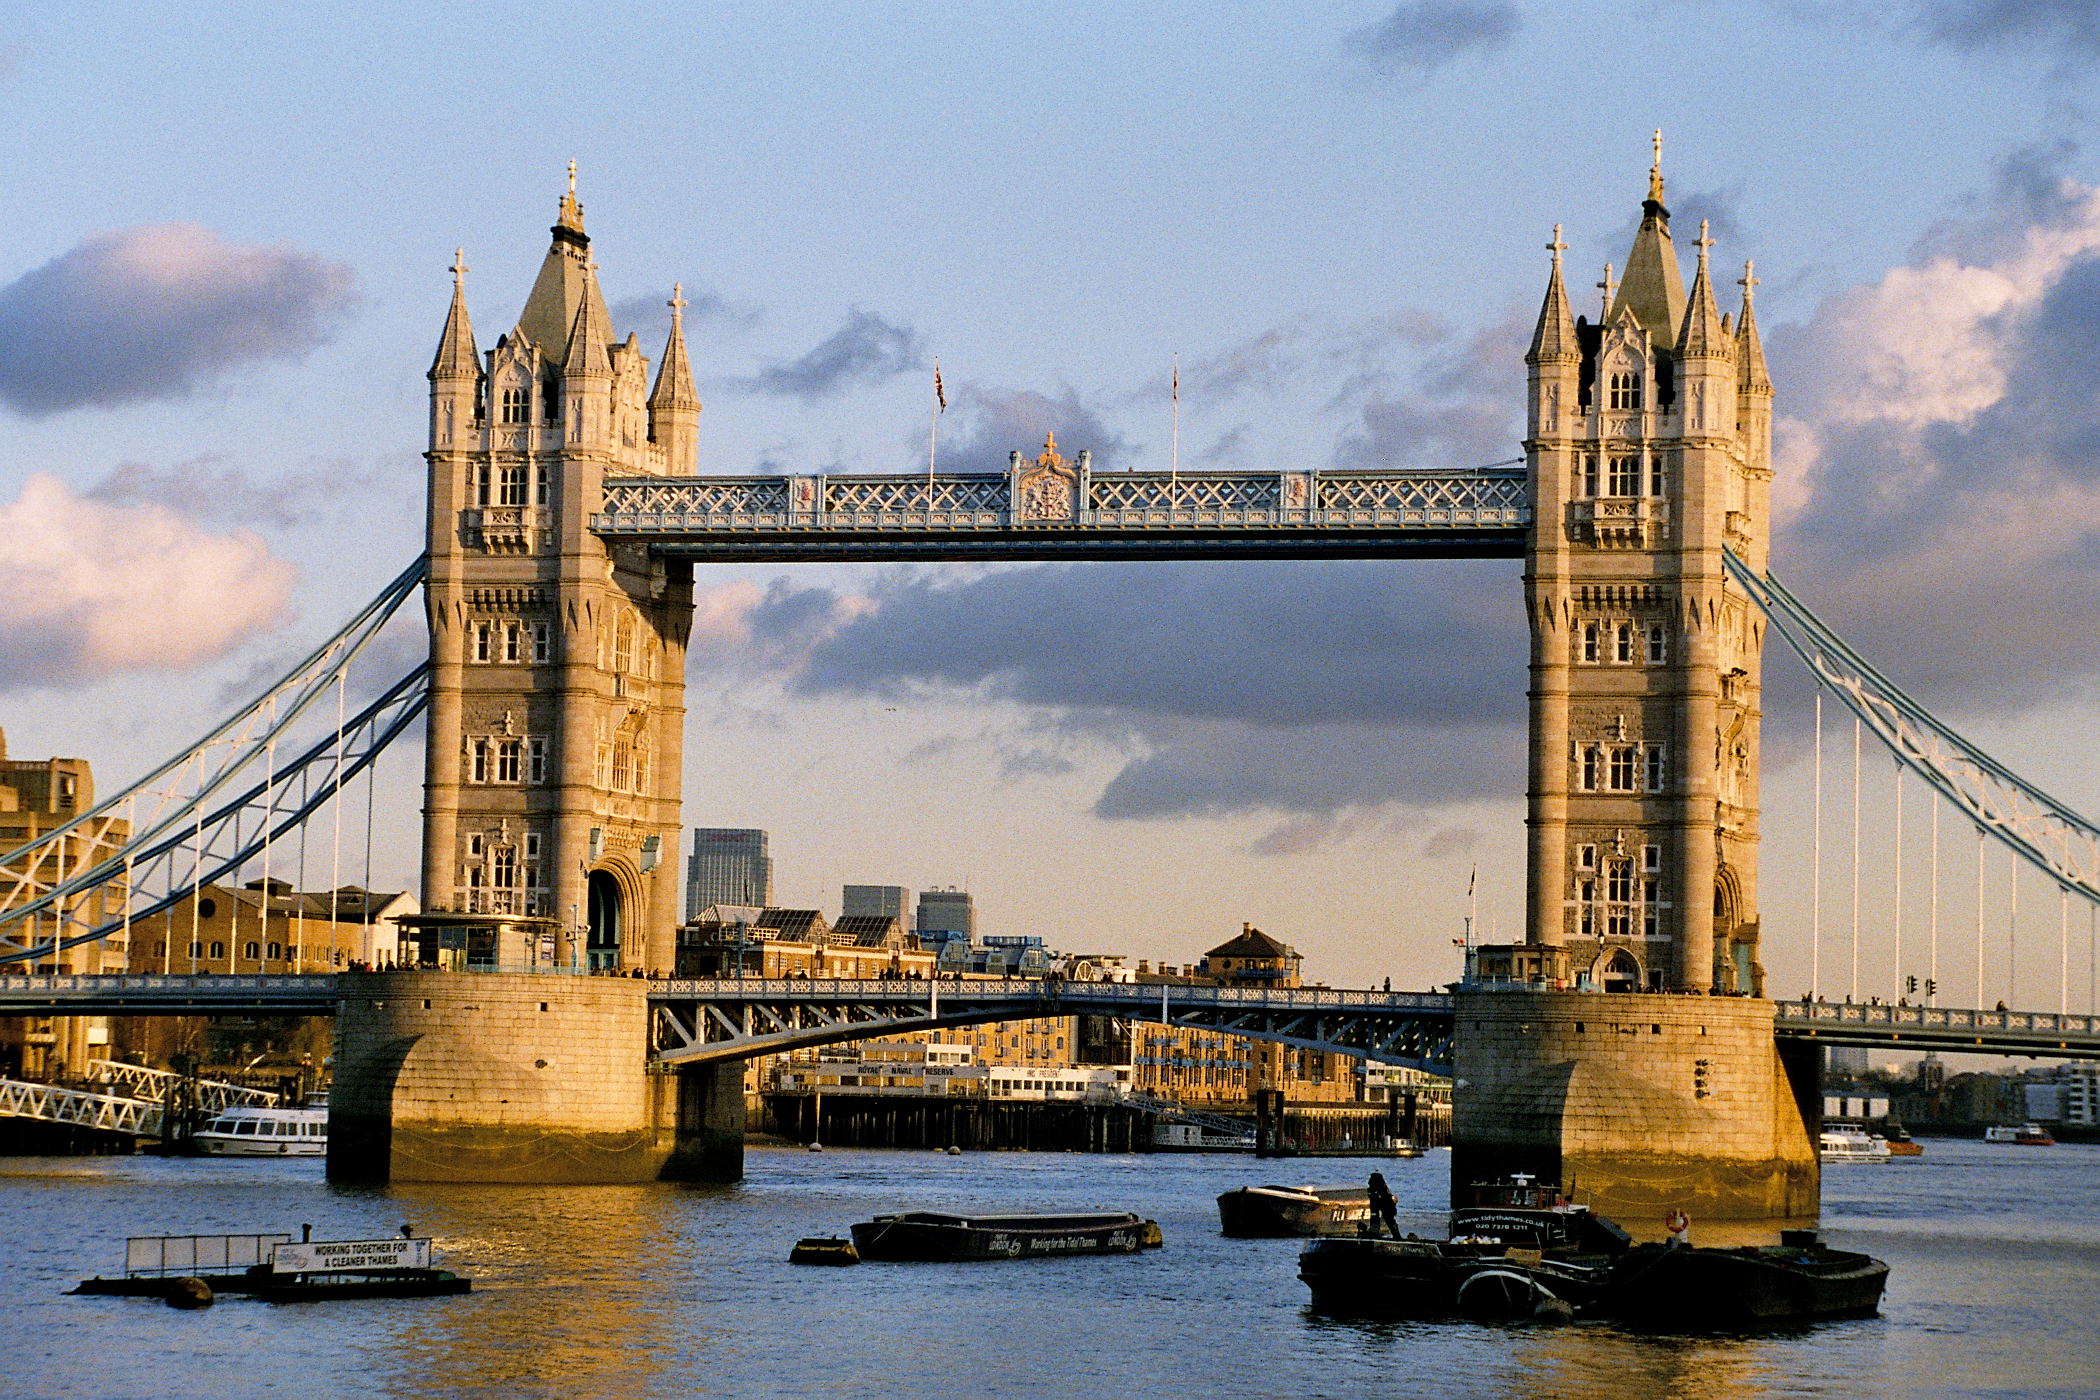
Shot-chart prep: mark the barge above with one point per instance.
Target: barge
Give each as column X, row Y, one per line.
column 930, row 1237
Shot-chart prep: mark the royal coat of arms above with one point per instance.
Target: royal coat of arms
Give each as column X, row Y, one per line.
column 1047, row 490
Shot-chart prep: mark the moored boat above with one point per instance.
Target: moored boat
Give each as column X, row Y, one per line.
column 1900, row 1142
column 1274, row 1212
column 1685, row 1288
column 927, row 1236
column 249, row 1131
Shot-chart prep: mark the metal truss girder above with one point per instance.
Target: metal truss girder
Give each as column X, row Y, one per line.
column 2030, row 1033
column 150, row 994
column 2044, row 832
column 109, row 1113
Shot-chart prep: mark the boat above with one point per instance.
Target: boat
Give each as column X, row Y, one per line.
column 275, row 1270
column 1672, row 1287
column 823, row 1249
column 248, row 1131
column 1275, row 1212
column 1900, row 1142
column 1514, row 1246
column 2026, row 1135
column 1849, row 1144
column 927, row 1236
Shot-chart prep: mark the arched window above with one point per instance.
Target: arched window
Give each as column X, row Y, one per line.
column 516, row 405
column 1626, row 390
column 218, row 949
column 253, row 951
column 623, row 643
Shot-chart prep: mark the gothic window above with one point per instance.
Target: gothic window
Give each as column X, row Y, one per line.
column 475, row 876
column 1625, row 644
column 535, row 766
column 515, row 405
column 1625, row 476
column 1658, row 647
column 507, row 760
column 622, row 767
column 540, row 492
column 623, row 644
column 481, row 485
column 481, row 641
column 1586, row 857
column 641, row 770
column 510, row 486
column 1651, row 859
column 1589, row 475
column 513, row 643
column 1589, row 770
column 550, row 401
column 506, row 873
column 481, row 762
column 1655, row 476
column 474, row 845
column 1651, row 908
column 1622, row 765
column 1626, row 391
column 605, row 765
column 1589, row 641
column 1586, row 898
column 1652, row 776
column 542, row 645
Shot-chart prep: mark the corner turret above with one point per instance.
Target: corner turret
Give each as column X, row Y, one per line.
column 1706, row 357
column 455, row 374
column 674, row 406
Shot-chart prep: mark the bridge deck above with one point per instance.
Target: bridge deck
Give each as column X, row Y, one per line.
column 1941, row 1028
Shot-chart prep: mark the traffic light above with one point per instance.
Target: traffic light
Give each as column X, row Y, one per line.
column 1910, row 984
column 1931, row 987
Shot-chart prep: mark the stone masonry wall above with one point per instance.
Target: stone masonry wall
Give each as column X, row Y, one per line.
column 1640, row 1103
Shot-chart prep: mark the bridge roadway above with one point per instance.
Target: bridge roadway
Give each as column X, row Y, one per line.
column 700, row 1021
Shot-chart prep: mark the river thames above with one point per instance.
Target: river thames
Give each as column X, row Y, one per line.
column 664, row 1290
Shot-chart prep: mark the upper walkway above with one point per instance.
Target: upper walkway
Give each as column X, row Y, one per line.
column 1048, row 509
column 1942, row 1029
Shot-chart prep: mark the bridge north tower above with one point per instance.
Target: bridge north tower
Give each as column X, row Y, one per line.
column 551, row 784
column 1649, row 453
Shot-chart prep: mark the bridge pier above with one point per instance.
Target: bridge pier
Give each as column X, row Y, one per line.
column 709, row 1124
column 1638, row 1103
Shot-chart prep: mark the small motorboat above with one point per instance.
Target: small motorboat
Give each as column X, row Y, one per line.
column 1672, row 1287
column 1277, row 1212
column 1850, row 1144
column 926, row 1236
column 2026, row 1135
column 824, row 1249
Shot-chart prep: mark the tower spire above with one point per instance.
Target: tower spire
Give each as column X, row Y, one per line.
column 1701, row 335
column 457, row 357
column 1749, row 350
column 1554, row 339
column 674, row 377
column 1653, row 289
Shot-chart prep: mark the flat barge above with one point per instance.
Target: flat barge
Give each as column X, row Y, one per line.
column 930, row 1237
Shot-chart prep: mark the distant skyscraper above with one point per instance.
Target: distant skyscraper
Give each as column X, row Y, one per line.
column 877, row 901
column 729, row 865
column 947, row 911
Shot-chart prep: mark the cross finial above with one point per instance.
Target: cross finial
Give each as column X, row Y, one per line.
column 1702, row 242
column 1655, row 171
column 1556, row 247
column 1607, row 286
column 459, row 267
column 572, row 167
column 1747, row 280
column 677, row 301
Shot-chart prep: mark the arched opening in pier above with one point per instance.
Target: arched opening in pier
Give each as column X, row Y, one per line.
column 604, row 941
column 1621, row 972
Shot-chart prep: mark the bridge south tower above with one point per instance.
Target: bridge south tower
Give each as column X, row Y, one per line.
column 1649, row 453
column 551, row 784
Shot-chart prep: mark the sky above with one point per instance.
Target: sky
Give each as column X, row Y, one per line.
column 229, row 264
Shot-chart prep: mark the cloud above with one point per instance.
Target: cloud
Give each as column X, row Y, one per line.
column 88, row 588
column 207, row 488
column 649, row 315
column 867, row 350
column 1938, row 453
column 983, row 426
column 2048, row 25
column 159, row 312
column 1421, row 37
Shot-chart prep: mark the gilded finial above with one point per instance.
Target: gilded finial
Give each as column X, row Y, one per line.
column 572, row 167
column 1655, row 171
column 1050, row 443
column 459, row 267
column 1556, row 247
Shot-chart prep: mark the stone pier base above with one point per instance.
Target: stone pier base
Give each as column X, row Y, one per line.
column 1637, row 1103
column 495, row 1077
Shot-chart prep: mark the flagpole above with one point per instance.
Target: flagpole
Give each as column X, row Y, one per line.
column 1174, row 471
column 933, row 419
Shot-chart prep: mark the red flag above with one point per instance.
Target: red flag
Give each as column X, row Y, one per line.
column 938, row 391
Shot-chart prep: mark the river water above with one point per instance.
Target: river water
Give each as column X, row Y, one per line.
column 679, row 1291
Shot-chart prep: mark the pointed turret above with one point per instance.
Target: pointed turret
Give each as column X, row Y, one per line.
column 590, row 336
column 1554, row 340
column 674, row 407
column 457, row 357
column 564, row 283
column 1749, row 350
column 1653, row 289
column 1702, row 335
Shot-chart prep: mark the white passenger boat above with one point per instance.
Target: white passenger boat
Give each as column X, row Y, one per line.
column 2026, row 1135
column 1852, row 1145
column 248, row 1131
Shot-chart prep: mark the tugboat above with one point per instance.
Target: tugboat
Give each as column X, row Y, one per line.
column 1516, row 1246
column 1276, row 1212
column 1676, row 1287
column 1901, row 1143
column 924, row 1236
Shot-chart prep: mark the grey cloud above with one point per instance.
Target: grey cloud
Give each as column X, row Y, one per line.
column 159, row 312
column 2039, row 24
column 996, row 422
column 649, row 315
column 1407, row 433
column 1271, row 360
column 866, row 350
column 208, row 488
column 1423, row 36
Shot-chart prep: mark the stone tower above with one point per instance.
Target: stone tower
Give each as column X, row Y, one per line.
column 557, row 687
column 1649, row 452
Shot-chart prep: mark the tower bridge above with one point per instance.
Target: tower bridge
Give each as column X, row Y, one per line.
column 567, row 513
